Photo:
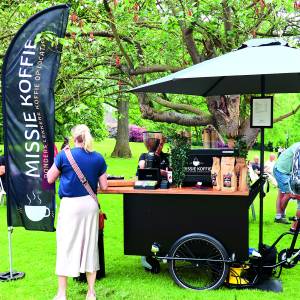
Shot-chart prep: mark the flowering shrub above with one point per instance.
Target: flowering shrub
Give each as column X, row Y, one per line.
column 136, row 133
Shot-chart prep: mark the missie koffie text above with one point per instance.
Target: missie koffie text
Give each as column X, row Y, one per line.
column 31, row 62
column 197, row 169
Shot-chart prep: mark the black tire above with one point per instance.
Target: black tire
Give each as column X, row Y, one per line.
column 283, row 254
column 198, row 275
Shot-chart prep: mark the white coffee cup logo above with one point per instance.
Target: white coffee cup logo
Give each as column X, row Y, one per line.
column 169, row 176
column 196, row 162
column 37, row 213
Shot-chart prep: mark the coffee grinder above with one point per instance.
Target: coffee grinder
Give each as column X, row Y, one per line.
column 152, row 141
column 149, row 177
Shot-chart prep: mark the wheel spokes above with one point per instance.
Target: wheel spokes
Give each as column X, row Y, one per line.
column 198, row 274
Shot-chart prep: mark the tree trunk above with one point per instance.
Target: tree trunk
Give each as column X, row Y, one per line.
column 226, row 113
column 122, row 148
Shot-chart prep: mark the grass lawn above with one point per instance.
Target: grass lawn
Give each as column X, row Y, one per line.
column 34, row 254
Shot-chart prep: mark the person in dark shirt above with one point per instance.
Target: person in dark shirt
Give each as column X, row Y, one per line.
column 161, row 159
column 162, row 162
column 256, row 165
column 65, row 143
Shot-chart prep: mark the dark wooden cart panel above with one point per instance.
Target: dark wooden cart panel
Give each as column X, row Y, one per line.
column 163, row 216
column 161, row 219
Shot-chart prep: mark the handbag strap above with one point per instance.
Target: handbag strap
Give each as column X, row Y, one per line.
column 79, row 174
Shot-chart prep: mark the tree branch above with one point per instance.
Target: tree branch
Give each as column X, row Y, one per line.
column 119, row 79
column 68, row 99
column 227, row 19
column 170, row 117
column 116, row 35
column 152, row 69
column 60, row 81
column 110, row 104
column 88, row 68
column 187, row 34
column 191, row 45
column 293, row 112
column 180, row 106
column 102, row 34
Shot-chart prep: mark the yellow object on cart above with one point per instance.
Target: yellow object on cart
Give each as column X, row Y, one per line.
column 235, row 276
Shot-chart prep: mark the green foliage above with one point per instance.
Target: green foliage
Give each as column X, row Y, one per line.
column 179, row 146
column 241, row 146
column 286, row 131
column 78, row 96
column 89, row 112
column 150, row 35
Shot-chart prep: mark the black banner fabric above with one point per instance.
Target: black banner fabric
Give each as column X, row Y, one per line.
column 28, row 78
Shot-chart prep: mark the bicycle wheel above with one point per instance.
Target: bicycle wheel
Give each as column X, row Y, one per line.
column 206, row 274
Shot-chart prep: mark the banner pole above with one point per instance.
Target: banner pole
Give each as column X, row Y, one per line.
column 10, row 230
column 10, row 275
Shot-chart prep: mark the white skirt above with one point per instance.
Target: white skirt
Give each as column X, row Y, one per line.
column 77, row 236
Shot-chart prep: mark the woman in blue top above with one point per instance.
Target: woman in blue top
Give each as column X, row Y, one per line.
column 77, row 225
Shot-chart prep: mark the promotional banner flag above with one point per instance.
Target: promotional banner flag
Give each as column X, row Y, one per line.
column 28, row 78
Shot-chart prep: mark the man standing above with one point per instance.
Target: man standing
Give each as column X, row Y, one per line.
column 282, row 173
column 269, row 166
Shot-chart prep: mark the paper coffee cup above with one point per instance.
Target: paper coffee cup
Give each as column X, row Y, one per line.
column 169, row 176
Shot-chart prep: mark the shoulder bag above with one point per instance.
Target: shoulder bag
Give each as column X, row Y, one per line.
column 85, row 183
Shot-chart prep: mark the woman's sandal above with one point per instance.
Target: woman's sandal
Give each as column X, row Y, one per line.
column 90, row 297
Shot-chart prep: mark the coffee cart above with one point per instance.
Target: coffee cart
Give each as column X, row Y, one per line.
column 161, row 220
column 200, row 233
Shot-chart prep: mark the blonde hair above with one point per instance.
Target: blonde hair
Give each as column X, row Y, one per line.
column 81, row 133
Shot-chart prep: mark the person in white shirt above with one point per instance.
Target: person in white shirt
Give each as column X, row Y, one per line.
column 268, row 168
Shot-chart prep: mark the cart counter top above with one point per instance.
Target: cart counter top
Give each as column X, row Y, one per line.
column 170, row 191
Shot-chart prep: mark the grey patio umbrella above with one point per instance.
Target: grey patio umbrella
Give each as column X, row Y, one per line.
column 258, row 66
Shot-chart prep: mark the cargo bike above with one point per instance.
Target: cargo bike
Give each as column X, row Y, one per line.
column 200, row 262
column 203, row 237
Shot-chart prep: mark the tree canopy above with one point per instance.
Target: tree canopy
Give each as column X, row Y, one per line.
column 112, row 46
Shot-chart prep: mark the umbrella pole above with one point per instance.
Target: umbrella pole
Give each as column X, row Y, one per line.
column 261, row 192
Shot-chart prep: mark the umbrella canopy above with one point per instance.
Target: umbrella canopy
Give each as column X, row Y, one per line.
column 258, row 66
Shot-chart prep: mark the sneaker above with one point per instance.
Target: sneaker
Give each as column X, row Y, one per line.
column 282, row 221
column 292, row 230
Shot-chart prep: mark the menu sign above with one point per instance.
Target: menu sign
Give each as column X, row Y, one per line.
column 199, row 165
column 261, row 113
column 198, row 169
